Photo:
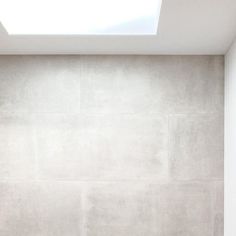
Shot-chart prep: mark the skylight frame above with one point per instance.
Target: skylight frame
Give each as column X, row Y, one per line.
column 25, row 18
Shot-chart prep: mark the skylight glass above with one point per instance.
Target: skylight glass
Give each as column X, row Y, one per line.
column 76, row 17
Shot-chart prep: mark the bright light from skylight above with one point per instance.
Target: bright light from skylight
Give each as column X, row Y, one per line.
column 89, row 17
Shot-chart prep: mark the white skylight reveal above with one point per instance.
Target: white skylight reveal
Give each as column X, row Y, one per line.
column 80, row 17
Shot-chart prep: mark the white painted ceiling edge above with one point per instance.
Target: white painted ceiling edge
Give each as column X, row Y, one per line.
column 186, row 27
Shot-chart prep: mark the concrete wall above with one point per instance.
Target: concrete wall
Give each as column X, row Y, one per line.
column 111, row 145
column 230, row 141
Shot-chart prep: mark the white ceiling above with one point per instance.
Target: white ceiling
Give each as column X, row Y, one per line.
column 185, row 27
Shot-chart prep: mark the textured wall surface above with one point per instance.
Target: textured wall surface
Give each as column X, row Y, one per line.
column 111, row 145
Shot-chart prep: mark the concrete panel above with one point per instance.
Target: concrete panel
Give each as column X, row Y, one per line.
column 39, row 84
column 101, row 147
column 196, row 147
column 160, row 84
column 17, row 153
column 42, row 208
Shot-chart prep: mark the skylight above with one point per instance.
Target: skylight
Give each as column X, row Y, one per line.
column 80, row 17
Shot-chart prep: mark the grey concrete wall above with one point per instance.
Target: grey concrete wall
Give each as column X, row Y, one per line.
column 111, row 145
